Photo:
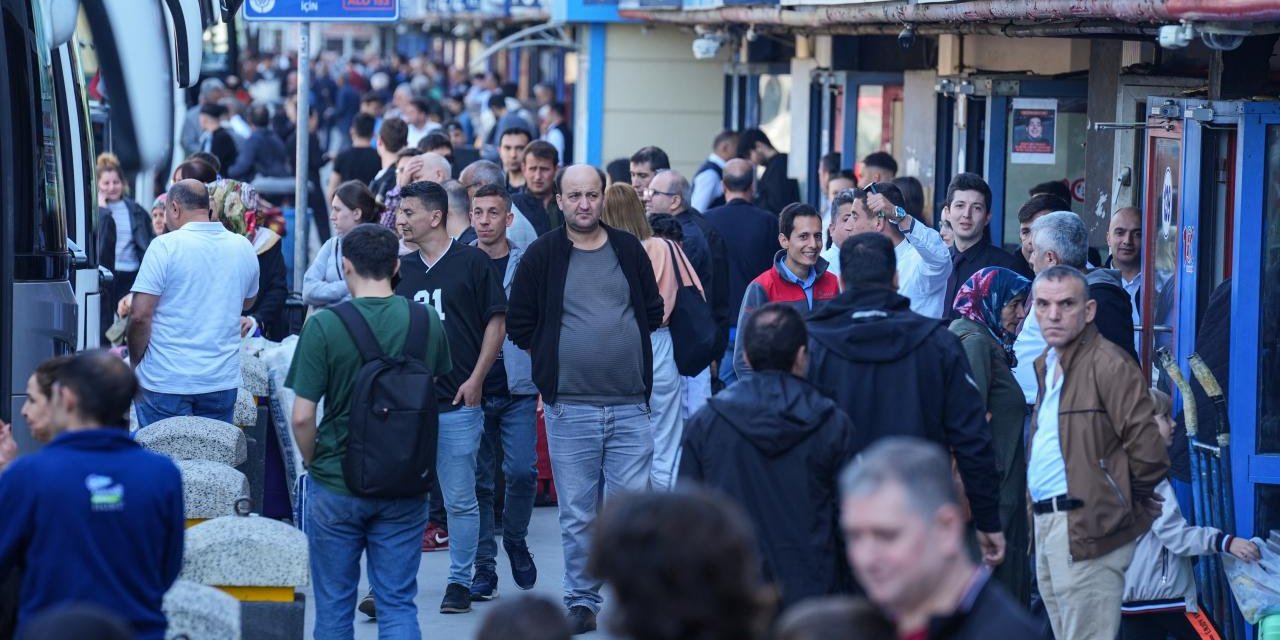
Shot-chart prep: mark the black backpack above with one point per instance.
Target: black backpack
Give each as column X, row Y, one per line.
column 394, row 422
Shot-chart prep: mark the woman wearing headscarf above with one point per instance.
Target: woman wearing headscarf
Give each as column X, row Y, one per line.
column 236, row 205
column 992, row 305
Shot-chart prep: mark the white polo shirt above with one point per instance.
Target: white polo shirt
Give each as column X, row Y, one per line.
column 202, row 274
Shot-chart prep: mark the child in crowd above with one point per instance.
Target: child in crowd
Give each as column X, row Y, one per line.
column 1159, row 587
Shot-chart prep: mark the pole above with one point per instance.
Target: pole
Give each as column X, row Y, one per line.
column 301, row 215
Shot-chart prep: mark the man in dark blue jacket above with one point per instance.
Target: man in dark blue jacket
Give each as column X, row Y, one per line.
column 93, row 517
column 898, row 373
column 775, row 445
column 751, row 240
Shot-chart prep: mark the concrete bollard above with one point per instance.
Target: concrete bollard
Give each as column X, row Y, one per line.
column 210, row 489
column 193, row 438
column 246, row 413
column 258, row 561
column 199, row 612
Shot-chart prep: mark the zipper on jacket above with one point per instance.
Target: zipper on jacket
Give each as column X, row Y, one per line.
column 1164, row 564
column 1112, row 481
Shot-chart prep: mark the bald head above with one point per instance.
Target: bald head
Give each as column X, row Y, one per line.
column 188, row 201
column 435, row 167
column 580, row 194
column 739, row 178
column 1124, row 240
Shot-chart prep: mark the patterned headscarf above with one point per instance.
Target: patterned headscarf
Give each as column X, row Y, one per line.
column 236, row 205
column 984, row 296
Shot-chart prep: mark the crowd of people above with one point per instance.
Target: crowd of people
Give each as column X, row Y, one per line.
column 755, row 407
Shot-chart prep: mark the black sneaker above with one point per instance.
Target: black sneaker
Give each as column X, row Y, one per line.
column 484, row 586
column 581, row 620
column 523, row 571
column 457, row 599
column 367, row 606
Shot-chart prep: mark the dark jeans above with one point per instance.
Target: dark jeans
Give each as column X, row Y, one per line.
column 1179, row 625
column 510, row 427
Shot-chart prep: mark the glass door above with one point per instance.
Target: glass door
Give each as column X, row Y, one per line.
column 1161, row 239
column 1254, row 388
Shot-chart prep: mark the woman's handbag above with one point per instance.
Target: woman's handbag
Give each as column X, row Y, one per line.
column 693, row 327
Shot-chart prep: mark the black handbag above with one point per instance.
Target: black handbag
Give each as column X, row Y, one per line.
column 693, row 327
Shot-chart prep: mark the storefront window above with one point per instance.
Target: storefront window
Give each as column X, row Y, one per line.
column 775, row 109
column 1045, row 143
column 1269, row 351
column 879, row 108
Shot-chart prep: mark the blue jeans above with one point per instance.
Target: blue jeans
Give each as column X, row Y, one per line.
column 727, row 375
column 153, row 406
column 459, row 441
column 590, row 444
column 510, row 423
column 338, row 529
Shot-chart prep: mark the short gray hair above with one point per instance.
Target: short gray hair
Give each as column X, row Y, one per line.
column 920, row 467
column 1062, row 272
column 679, row 184
column 1063, row 233
column 188, row 197
column 457, row 197
column 483, row 172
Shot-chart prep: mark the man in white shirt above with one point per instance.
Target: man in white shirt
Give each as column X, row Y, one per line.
column 184, row 327
column 924, row 263
column 708, row 191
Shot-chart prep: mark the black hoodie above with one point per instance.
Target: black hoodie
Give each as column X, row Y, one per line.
column 776, row 446
column 898, row 373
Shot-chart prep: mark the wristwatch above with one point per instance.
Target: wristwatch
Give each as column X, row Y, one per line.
column 898, row 214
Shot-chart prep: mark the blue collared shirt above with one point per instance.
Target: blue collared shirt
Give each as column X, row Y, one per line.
column 806, row 284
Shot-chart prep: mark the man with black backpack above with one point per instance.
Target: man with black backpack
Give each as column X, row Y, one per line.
column 373, row 360
column 457, row 280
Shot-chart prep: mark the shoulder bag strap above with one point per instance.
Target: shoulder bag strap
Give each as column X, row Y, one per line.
column 675, row 262
column 359, row 329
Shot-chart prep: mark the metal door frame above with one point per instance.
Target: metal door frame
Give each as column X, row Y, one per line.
column 822, row 109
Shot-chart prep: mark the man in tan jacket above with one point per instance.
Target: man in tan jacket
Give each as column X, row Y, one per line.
column 1094, row 462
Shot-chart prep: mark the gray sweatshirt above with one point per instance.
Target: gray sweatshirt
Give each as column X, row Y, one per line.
column 323, row 285
column 1160, row 574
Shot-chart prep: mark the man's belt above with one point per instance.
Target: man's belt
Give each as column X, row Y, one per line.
column 1055, row 504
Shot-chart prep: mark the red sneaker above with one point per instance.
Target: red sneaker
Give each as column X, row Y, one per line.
column 435, row 538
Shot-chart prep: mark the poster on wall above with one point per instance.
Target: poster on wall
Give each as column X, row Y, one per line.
column 1034, row 132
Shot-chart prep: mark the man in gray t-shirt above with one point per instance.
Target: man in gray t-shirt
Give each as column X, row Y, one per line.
column 583, row 302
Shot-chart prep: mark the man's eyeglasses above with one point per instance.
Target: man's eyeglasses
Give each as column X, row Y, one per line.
column 649, row 192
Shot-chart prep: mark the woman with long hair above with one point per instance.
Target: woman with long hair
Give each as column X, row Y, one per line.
column 324, row 285
column 124, row 232
column 623, row 210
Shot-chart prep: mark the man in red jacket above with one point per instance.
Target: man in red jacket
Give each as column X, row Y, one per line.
column 799, row 276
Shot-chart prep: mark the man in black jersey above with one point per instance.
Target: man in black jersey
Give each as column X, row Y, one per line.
column 467, row 294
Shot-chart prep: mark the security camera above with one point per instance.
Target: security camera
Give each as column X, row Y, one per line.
column 1176, row 36
column 706, row 46
column 907, row 36
column 1223, row 36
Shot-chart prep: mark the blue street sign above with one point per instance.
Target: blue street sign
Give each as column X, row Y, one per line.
column 322, row 10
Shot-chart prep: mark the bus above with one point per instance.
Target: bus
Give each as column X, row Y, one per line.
column 49, row 277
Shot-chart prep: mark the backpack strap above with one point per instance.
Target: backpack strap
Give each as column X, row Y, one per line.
column 359, row 329
column 415, row 342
